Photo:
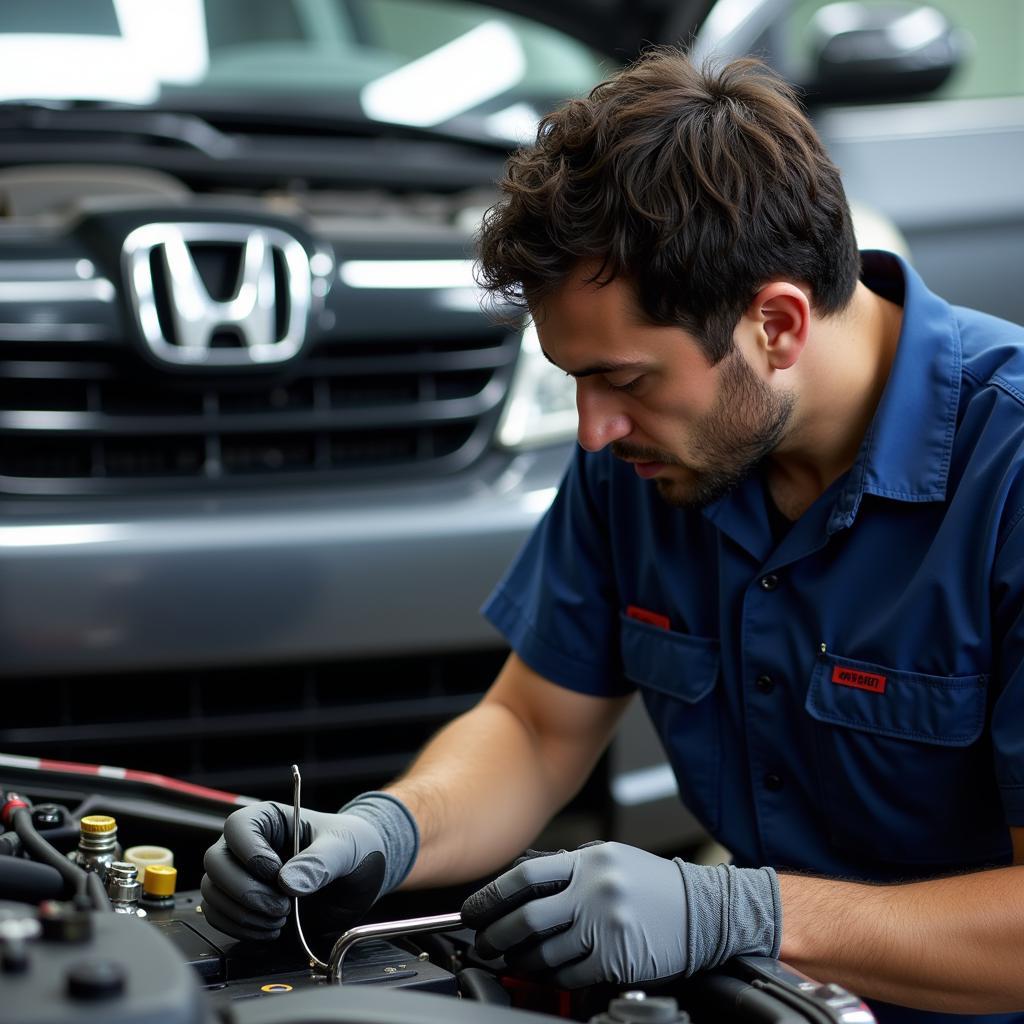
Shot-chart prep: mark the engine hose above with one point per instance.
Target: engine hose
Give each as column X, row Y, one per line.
column 40, row 850
column 29, row 882
column 476, row 983
column 96, row 893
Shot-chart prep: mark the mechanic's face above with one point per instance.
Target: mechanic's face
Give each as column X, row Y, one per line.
column 696, row 430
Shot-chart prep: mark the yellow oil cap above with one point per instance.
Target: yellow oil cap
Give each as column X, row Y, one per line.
column 160, row 880
column 97, row 824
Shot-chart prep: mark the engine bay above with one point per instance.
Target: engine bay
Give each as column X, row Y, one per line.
column 73, row 948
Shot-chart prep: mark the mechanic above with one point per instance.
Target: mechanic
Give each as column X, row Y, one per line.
column 795, row 522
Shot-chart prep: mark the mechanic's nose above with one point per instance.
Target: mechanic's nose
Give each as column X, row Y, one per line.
column 601, row 420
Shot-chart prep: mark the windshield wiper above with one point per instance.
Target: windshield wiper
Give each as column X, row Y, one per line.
column 183, row 129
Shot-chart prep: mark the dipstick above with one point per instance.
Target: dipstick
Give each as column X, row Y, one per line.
column 314, row 961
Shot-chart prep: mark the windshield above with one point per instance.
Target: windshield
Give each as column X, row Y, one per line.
column 414, row 62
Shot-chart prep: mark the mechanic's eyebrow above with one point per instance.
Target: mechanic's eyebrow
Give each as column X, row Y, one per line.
column 590, row 371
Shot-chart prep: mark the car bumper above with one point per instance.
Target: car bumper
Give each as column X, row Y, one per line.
column 244, row 579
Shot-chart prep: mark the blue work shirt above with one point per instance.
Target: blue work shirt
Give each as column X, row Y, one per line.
column 849, row 701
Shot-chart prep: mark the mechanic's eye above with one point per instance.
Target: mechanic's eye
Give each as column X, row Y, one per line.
column 628, row 386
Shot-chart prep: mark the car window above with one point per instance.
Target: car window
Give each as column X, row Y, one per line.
column 995, row 31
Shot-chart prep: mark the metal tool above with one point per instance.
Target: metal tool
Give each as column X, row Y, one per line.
column 314, row 960
column 386, row 930
column 380, row 930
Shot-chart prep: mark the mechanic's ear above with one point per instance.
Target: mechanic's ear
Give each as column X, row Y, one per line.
column 781, row 314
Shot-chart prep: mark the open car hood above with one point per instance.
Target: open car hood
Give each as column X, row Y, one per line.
column 619, row 28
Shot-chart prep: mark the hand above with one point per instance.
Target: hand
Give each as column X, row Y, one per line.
column 613, row 913
column 247, row 881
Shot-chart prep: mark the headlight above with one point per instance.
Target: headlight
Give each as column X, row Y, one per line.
column 541, row 405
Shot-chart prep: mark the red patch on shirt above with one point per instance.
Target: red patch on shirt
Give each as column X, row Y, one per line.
column 653, row 618
column 859, row 680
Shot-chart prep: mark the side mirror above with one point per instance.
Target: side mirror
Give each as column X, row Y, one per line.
column 863, row 53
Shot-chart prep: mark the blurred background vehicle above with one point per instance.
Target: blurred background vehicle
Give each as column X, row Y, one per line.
column 262, row 453
column 922, row 107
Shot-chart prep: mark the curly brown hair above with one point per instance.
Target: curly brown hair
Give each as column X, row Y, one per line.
column 697, row 185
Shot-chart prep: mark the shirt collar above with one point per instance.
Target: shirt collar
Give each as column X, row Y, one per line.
column 906, row 452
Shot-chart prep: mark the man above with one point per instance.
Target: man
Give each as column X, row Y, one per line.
column 795, row 524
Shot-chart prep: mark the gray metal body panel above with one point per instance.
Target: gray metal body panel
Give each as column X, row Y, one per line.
column 239, row 579
column 947, row 173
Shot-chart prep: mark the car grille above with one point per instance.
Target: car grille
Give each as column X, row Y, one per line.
column 89, row 417
column 352, row 725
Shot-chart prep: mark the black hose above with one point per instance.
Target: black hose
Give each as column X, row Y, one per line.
column 28, row 882
column 78, row 880
column 40, row 850
column 63, row 837
column 96, row 893
column 484, row 987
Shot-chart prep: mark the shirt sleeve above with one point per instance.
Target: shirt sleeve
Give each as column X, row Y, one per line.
column 557, row 604
column 1008, row 709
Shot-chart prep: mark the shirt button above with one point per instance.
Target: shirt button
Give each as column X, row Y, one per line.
column 769, row 582
column 765, row 684
column 773, row 781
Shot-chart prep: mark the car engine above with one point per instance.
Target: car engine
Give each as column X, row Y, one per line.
column 81, row 939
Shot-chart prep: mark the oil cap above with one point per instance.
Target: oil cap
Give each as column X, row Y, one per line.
column 637, row 1008
column 95, row 979
column 160, row 880
column 46, row 816
column 98, row 824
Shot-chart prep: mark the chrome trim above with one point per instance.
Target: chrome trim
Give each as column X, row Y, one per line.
column 46, row 270
column 406, row 274
column 53, row 331
column 97, row 289
column 196, row 316
column 60, row 535
column 43, row 419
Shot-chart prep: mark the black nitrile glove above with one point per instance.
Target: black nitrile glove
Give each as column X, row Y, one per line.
column 613, row 913
column 346, row 861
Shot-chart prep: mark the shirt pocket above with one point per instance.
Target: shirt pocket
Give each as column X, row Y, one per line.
column 677, row 676
column 905, row 768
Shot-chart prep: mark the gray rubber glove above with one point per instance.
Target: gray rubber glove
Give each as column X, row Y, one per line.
column 347, row 861
column 612, row 913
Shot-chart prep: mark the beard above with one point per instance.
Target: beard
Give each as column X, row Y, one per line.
column 727, row 444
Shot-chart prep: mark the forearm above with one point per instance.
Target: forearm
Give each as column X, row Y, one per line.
column 480, row 792
column 950, row 944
